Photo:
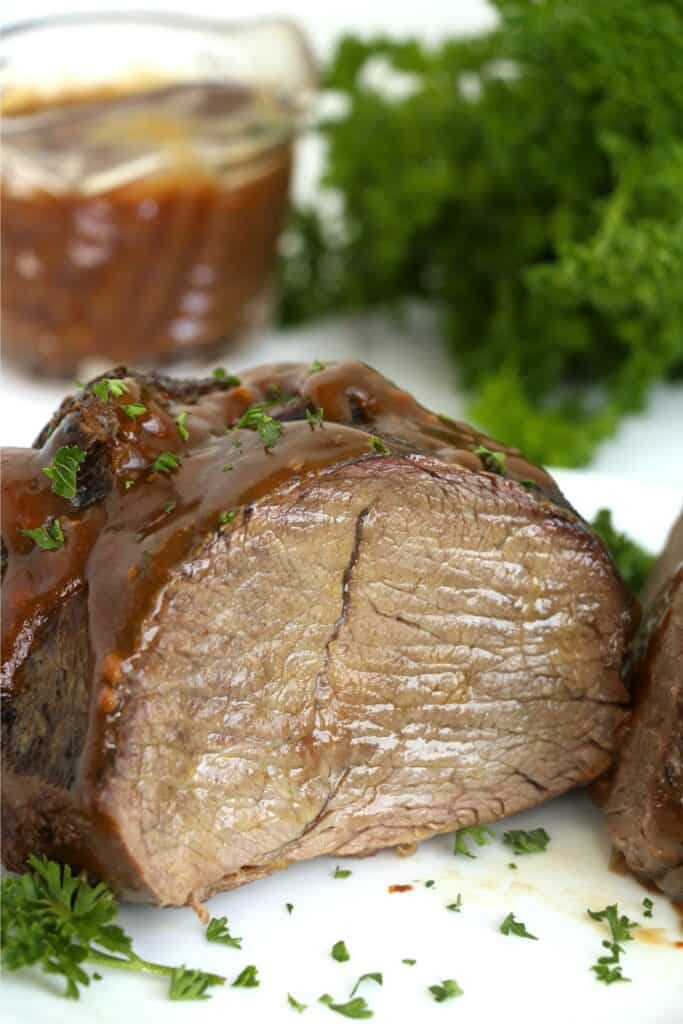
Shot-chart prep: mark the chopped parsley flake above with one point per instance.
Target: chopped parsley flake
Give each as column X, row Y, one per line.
column 134, row 410
column 448, row 989
column 109, row 386
column 535, row 841
column 375, row 976
column 190, row 984
column 63, row 470
column 341, row 872
column 182, row 429
column 218, row 931
column 316, row 366
column 48, row 537
column 227, row 378
column 429, row 884
column 227, row 517
column 647, row 907
column 356, row 1009
column 314, row 419
column 169, row 508
column 512, row 927
column 248, row 978
column 457, row 906
column 167, row 462
column 607, row 968
column 227, row 468
column 494, row 462
column 256, row 418
column 409, row 962
column 377, row 446
column 295, row 1004
column 290, row 907
column 340, row 953
column 479, row 835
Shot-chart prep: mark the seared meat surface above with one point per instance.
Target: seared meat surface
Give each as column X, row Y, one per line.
column 645, row 806
column 298, row 640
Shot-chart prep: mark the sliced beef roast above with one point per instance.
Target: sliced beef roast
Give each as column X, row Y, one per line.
column 293, row 615
column 645, row 806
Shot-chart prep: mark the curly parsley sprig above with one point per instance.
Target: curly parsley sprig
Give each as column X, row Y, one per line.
column 54, row 920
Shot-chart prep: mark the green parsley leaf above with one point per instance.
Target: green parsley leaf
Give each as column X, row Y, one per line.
column 377, row 446
column 375, row 976
column 410, row 963
column 256, row 418
column 217, row 931
column 220, row 374
column 49, row 536
column 494, row 462
column 647, row 907
column 227, row 517
column 290, row 907
column 356, row 1009
column 457, row 906
column 633, row 562
column 63, row 470
column 316, row 366
column 480, row 836
column 339, row 952
column 512, row 927
column 109, row 386
column 341, row 872
column 167, row 462
column 535, row 841
column 314, row 419
column 169, row 508
column 448, row 989
column 227, row 468
column 513, row 867
column 295, row 1004
column 608, row 975
column 191, row 984
column 248, row 978
column 619, row 926
column 182, row 429
column 134, row 410
column 58, row 922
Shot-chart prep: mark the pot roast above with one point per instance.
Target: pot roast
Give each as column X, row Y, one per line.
column 645, row 805
column 291, row 616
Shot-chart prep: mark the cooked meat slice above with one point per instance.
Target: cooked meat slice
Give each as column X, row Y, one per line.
column 301, row 639
column 645, row 806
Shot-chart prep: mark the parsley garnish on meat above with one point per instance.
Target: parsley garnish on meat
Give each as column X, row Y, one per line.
column 167, row 462
column 248, row 978
column 63, row 470
column 48, row 537
column 377, row 446
column 134, row 410
column 53, row 920
column 607, row 969
column 632, row 561
column 256, row 418
column 512, row 927
column 180, row 424
column 494, row 462
column 295, row 1004
column 479, row 835
column 341, row 872
column 227, row 517
column 227, row 378
column 356, row 1009
column 109, row 386
column 169, row 507
column 375, row 976
column 340, row 953
column 314, row 419
column 217, row 931
column 448, row 989
column 535, row 841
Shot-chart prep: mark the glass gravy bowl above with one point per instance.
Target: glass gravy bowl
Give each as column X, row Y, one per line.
column 144, row 184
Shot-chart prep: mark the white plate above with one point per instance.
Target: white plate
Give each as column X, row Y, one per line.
column 504, row 978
